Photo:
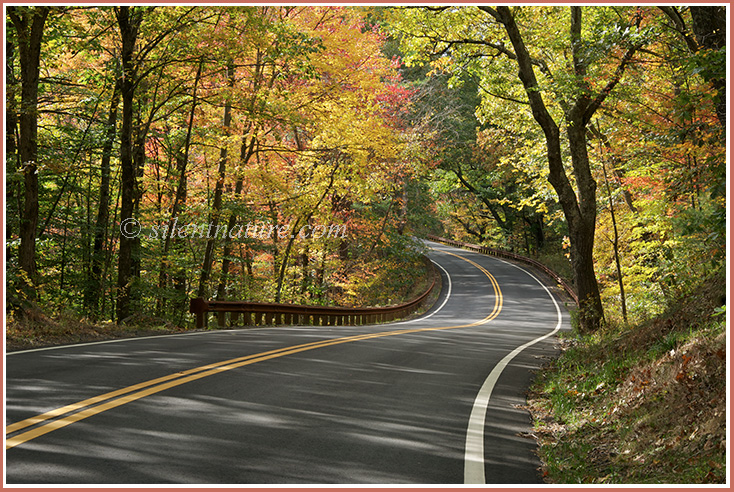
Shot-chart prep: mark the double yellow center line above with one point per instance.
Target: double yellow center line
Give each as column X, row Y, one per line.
column 69, row 414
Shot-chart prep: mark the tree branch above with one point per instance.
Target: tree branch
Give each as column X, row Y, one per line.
column 504, row 98
column 599, row 99
column 680, row 26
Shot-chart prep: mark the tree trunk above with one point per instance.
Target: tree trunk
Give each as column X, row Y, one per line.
column 181, row 191
column 206, row 268
column 615, row 244
column 29, row 25
column 12, row 161
column 247, row 150
column 580, row 212
column 227, row 251
column 534, row 223
column 103, row 212
column 305, row 275
column 582, row 229
column 129, row 20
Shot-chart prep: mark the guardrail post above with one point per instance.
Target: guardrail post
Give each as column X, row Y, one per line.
column 199, row 307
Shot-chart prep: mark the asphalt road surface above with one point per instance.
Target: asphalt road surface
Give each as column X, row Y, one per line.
column 435, row 400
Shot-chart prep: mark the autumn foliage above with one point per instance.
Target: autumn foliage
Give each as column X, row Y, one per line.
column 287, row 116
column 389, row 122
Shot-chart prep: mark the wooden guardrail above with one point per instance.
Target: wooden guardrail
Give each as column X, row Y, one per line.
column 264, row 313
column 510, row 256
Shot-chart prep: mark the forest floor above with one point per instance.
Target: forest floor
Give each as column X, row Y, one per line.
column 34, row 329
column 642, row 404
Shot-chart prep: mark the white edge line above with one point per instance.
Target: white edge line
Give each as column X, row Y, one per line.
column 474, row 448
column 118, row 340
column 448, row 294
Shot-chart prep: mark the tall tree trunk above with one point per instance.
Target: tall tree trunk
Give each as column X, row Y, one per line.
column 12, row 161
column 181, row 190
column 615, row 244
column 129, row 20
column 206, row 268
column 580, row 212
column 103, row 211
column 29, row 24
column 63, row 260
column 140, row 138
column 582, row 226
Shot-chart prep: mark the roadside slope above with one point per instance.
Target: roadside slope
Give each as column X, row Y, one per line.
column 645, row 404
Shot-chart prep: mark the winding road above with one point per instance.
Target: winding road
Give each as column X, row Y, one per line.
column 434, row 400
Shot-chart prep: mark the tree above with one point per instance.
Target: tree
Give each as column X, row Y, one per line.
column 708, row 24
column 135, row 54
column 480, row 160
column 558, row 76
column 206, row 268
column 662, row 141
column 129, row 20
column 28, row 23
column 103, row 209
column 131, row 128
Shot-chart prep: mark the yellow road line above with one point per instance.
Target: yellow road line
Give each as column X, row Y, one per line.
column 135, row 392
column 85, row 403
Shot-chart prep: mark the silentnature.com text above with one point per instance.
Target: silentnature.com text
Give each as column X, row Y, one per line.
column 131, row 228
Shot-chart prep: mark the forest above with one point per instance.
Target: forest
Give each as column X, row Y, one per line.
column 591, row 138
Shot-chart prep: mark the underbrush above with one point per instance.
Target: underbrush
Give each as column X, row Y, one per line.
column 645, row 404
column 31, row 328
column 386, row 279
column 394, row 274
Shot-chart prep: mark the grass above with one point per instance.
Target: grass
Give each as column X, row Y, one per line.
column 645, row 404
